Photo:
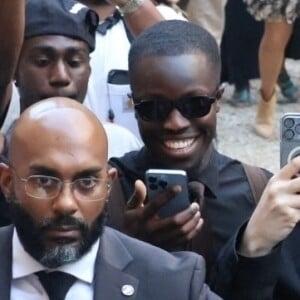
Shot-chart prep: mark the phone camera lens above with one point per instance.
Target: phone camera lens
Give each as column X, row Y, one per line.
column 152, row 179
column 153, row 186
column 288, row 134
column 297, row 128
column 289, row 122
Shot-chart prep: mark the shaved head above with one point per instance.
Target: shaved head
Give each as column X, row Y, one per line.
column 54, row 120
column 56, row 180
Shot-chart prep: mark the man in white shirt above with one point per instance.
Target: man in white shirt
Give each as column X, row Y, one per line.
column 56, row 180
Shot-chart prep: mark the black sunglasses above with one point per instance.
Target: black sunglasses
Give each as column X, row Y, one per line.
column 189, row 107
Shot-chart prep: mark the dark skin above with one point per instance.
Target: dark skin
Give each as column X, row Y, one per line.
column 11, row 39
column 12, row 35
column 177, row 142
column 169, row 78
column 48, row 141
column 50, row 66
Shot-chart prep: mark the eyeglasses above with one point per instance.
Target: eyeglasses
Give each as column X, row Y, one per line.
column 189, row 107
column 48, row 187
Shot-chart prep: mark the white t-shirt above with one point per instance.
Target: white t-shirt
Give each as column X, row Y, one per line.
column 111, row 53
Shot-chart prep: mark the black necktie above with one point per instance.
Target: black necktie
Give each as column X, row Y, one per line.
column 203, row 242
column 56, row 284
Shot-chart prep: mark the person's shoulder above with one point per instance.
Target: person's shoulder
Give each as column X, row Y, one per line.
column 144, row 253
column 127, row 161
column 120, row 140
column 161, row 275
column 115, row 128
column 226, row 163
column 6, row 233
column 6, row 229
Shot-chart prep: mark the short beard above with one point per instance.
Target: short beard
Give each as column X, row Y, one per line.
column 31, row 236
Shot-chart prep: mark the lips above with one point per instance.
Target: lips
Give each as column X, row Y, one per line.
column 58, row 93
column 63, row 234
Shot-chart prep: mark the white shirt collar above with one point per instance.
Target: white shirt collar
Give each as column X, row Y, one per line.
column 23, row 264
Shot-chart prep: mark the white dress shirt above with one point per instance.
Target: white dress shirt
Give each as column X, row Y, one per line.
column 26, row 285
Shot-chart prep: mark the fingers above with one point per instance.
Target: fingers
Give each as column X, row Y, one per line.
column 276, row 214
column 142, row 220
column 160, row 199
column 293, row 185
column 138, row 197
column 291, row 169
column 177, row 229
column 281, row 192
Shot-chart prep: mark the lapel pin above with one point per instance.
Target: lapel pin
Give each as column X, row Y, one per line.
column 127, row 290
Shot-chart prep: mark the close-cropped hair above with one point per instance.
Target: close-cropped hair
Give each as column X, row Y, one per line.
column 173, row 38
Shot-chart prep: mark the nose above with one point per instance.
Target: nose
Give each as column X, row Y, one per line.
column 65, row 203
column 176, row 121
column 60, row 76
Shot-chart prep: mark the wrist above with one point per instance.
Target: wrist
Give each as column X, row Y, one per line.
column 253, row 246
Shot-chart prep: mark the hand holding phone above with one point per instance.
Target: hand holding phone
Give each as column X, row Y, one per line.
column 158, row 180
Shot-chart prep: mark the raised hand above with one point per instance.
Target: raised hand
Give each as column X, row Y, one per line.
column 276, row 214
column 141, row 219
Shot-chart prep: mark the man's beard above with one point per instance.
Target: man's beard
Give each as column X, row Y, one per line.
column 31, row 236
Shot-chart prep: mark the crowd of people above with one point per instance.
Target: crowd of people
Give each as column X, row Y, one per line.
column 92, row 95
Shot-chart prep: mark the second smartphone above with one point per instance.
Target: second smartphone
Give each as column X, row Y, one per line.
column 158, row 180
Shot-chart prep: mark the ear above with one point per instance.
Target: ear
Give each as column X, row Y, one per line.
column 6, row 180
column 112, row 174
column 219, row 95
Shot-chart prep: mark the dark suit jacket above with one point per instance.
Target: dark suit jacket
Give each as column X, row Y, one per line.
column 154, row 273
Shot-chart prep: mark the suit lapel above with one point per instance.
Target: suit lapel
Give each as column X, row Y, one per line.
column 5, row 262
column 111, row 281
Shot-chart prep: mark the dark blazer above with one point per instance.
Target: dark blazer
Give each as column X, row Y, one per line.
column 121, row 260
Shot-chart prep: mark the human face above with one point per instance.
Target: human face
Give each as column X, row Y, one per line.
column 52, row 66
column 59, row 230
column 176, row 141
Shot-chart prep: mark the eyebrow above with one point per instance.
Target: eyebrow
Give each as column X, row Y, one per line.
column 38, row 169
column 88, row 172
column 51, row 49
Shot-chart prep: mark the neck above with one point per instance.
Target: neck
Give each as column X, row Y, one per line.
column 103, row 9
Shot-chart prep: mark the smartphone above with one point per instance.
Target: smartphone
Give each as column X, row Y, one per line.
column 158, row 180
column 289, row 137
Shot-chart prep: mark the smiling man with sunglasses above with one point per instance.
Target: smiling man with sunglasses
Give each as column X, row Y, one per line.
column 175, row 79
